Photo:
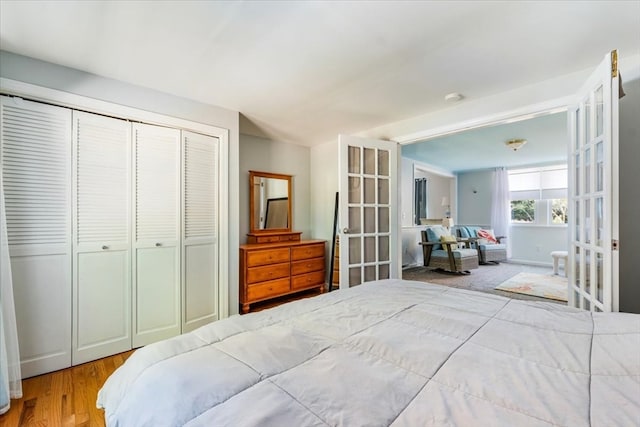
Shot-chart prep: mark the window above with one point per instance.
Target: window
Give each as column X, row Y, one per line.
column 420, row 199
column 539, row 195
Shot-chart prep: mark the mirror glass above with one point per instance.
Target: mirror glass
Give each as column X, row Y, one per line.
column 270, row 201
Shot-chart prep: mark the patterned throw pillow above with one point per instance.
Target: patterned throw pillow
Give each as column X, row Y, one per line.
column 488, row 235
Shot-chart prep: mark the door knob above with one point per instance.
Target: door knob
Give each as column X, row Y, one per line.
column 158, row 245
column 345, row 230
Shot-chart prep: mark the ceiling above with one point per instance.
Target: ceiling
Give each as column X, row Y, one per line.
column 305, row 71
column 485, row 147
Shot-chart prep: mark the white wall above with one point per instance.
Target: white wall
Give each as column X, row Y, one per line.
column 29, row 70
column 629, row 200
column 324, row 185
column 533, row 244
column 474, row 208
column 264, row 155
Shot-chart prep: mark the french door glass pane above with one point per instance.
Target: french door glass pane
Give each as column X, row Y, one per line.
column 355, row 277
column 599, row 220
column 383, row 220
column 578, row 221
column 599, row 276
column 587, row 121
column 354, row 220
column 599, row 111
column 383, row 271
column 354, row 250
column 369, row 273
column 599, row 166
column 383, row 191
column 354, row 189
column 577, row 174
column 369, row 249
column 577, row 266
column 369, row 220
column 587, row 170
column 383, row 162
column 354, row 159
column 369, row 161
column 587, row 221
column 369, row 190
column 587, row 271
column 383, row 248
column 577, row 130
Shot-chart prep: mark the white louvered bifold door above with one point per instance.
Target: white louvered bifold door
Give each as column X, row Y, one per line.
column 101, row 222
column 36, row 175
column 156, row 249
column 199, row 230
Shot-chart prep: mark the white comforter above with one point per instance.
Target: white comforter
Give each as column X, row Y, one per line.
column 389, row 353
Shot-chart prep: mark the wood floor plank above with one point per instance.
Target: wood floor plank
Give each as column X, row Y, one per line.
column 63, row 398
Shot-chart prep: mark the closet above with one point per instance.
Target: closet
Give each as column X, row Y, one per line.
column 112, row 231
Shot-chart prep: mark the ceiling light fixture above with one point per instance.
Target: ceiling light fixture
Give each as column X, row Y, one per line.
column 515, row 144
column 453, row 97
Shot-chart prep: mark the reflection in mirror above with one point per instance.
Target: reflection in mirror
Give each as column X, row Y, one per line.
column 270, row 201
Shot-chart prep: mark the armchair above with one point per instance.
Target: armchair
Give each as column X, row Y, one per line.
column 440, row 250
column 488, row 251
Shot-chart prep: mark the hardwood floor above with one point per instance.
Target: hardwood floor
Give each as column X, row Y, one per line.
column 63, row 398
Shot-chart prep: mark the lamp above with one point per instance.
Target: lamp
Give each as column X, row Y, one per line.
column 515, row 144
column 447, row 223
column 445, row 203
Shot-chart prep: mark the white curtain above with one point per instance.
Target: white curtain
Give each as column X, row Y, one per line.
column 10, row 376
column 500, row 205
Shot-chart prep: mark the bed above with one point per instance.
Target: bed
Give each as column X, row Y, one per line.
column 391, row 352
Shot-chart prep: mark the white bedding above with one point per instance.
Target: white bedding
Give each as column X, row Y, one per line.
column 389, row 353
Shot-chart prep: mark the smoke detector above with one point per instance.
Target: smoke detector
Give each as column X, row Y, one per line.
column 453, row 97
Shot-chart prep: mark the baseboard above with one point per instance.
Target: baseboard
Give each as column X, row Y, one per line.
column 527, row 262
column 406, row 267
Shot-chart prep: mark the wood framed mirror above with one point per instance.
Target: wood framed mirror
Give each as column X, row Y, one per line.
column 269, row 203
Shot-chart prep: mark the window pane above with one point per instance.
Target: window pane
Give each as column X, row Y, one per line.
column 383, row 191
column 383, row 271
column 383, row 162
column 523, row 211
column 355, row 276
column 369, row 190
column 354, row 160
column 354, row 250
column 370, row 161
column 599, row 166
column 559, row 209
column 587, row 170
column 369, row 249
column 369, row 220
column 354, row 221
column 354, row 189
column 599, row 111
column 370, row 273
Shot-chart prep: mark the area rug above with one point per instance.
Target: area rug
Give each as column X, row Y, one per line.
column 539, row 285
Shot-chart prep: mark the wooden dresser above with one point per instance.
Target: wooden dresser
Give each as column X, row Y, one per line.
column 272, row 270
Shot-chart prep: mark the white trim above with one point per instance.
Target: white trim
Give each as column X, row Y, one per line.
column 65, row 99
column 527, row 262
column 425, row 167
column 523, row 113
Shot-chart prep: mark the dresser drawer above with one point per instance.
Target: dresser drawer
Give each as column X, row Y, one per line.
column 267, row 289
column 307, row 280
column 306, row 252
column 267, row 256
column 267, row 272
column 307, row 266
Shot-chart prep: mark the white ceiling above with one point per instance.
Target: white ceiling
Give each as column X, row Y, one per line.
column 485, row 147
column 306, row 71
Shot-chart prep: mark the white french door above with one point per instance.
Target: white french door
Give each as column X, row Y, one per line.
column 156, row 233
column 593, row 220
column 368, row 205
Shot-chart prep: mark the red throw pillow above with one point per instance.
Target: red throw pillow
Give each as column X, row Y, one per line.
column 485, row 234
